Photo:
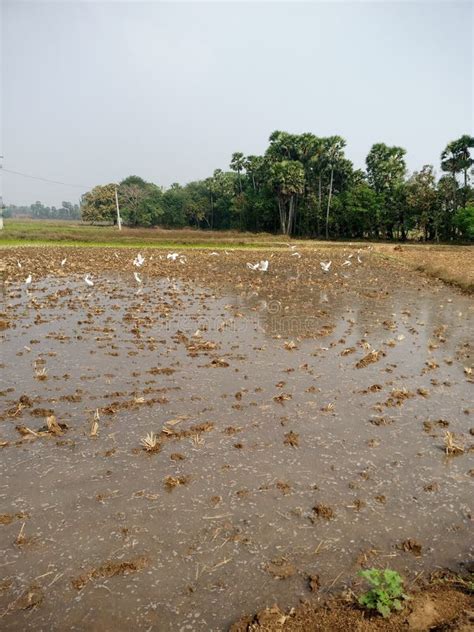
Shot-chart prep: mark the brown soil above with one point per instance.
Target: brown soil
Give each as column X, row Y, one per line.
column 110, row 569
column 281, row 568
column 436, row 607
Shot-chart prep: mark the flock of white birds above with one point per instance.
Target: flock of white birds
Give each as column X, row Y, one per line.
column 261, row 266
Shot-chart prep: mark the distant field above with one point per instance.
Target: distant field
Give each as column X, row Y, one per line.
column 17, row 232
column 450, row 263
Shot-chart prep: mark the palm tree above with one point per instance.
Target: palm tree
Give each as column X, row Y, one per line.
column 238, row 164
column 334, row 154
column 456, row 158
column 287, row 178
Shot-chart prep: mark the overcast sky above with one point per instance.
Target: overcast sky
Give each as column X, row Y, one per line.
column 95, row 91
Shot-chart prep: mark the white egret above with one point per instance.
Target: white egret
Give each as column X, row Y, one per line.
column 325, row 265
column 28, row 280
column 63, row 262
column 296, row 254
column 19, row 265
column 88, row 280
column 347, row 262
column 137, row 278
column 262, row 266
column 139, row 260
column 172, row 255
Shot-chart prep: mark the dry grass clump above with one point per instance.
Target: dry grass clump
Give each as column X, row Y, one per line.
column 381, row 421
column 161, row 371
column 284, row 487
column 398, row 396
column 348, row 351
column 314, row 583
column 370, row 358
column 94, row 429
column 411, row 546
column 191, row 432
column 292, row 438
column 177, row 456
column 175, row 481
column 9, row 518
column 323, row 511
column 451, row 447
column 150, row 443
column 4, row 324
column 31, row 598
column 41, row 374
column 53, row 426
column 110, row 569
column 328, row 408
column 429, row 426
column 283, row 397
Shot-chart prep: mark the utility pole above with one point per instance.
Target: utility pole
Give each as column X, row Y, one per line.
column 119, row 219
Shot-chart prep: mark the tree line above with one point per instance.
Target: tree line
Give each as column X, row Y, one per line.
column 67, row 210
column 304, row 185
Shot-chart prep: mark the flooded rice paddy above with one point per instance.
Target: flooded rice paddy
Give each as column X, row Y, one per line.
column 300, row 420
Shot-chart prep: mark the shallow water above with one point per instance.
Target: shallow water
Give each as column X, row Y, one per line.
column 250, row 496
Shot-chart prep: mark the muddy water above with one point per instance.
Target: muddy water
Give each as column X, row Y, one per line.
column 274, row 374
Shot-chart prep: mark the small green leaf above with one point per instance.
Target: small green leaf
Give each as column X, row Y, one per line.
column 384, row 610
column 386, row 591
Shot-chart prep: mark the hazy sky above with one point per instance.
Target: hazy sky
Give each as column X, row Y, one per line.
column 95, row 91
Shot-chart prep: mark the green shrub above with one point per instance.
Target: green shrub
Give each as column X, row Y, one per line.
column 464, row 222
column 386, row 592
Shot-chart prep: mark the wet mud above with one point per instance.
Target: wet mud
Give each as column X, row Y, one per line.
column 211, row 439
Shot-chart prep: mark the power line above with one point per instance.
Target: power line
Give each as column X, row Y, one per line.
column 26, row 175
